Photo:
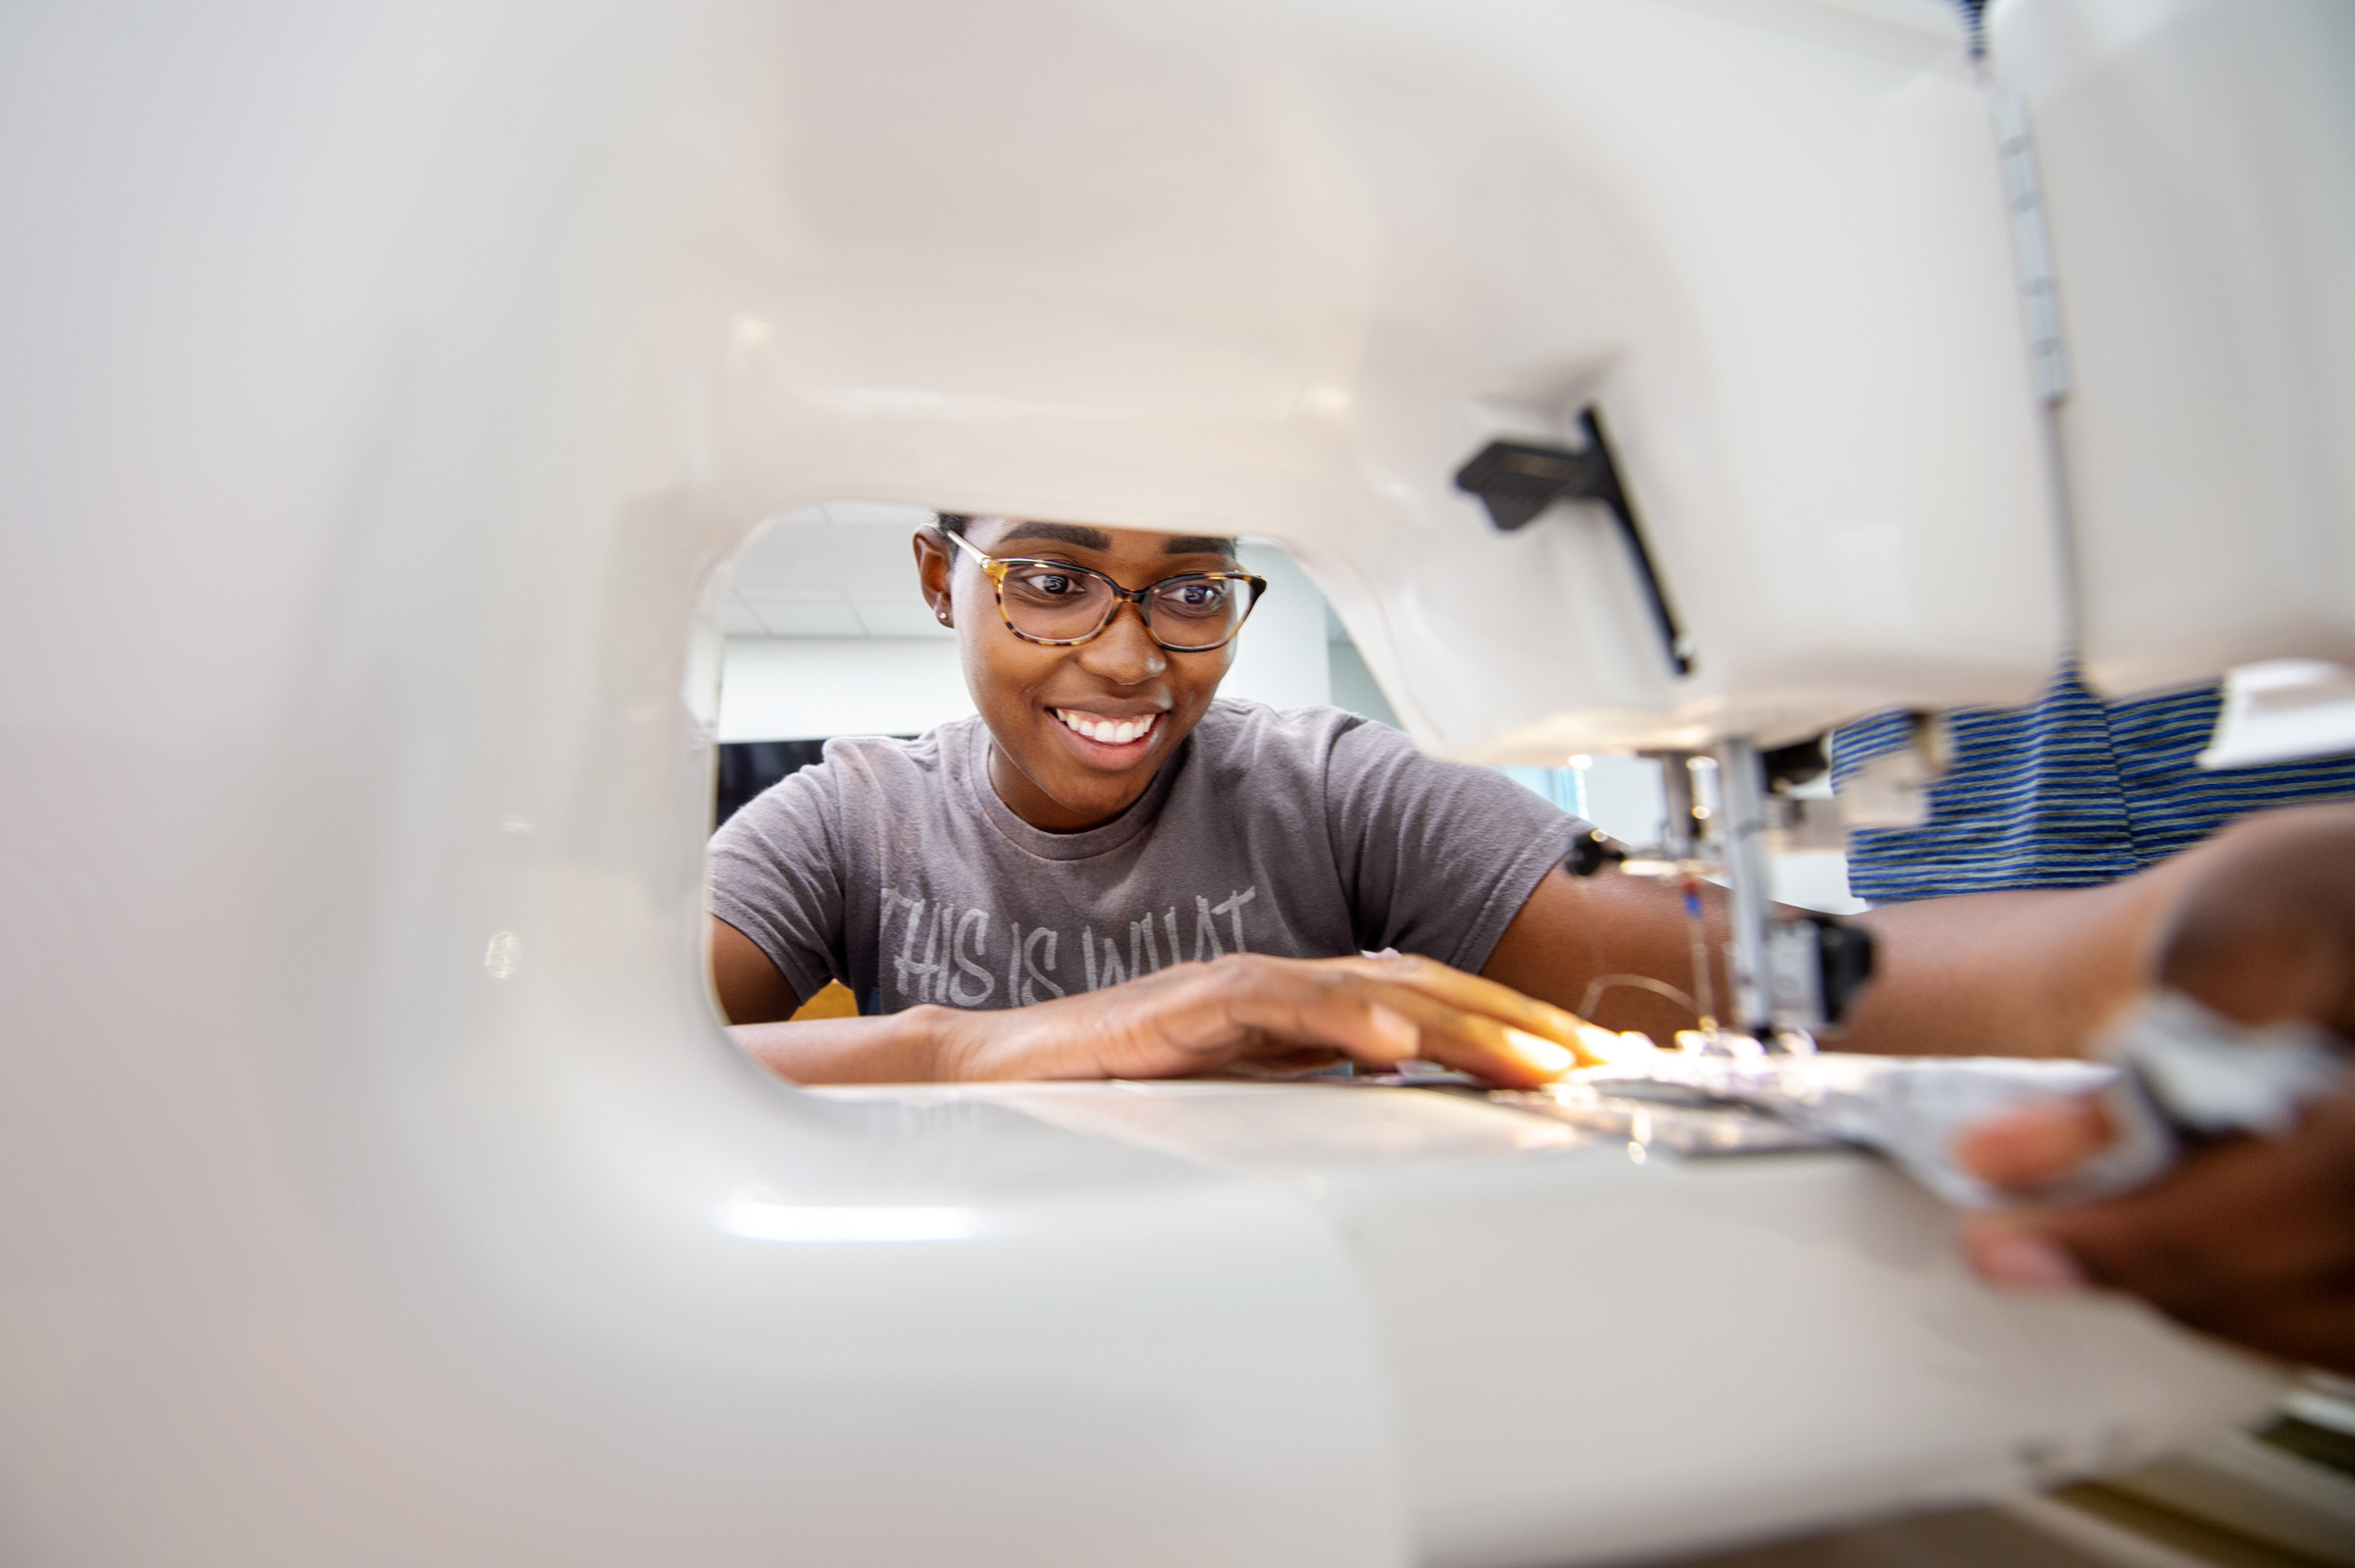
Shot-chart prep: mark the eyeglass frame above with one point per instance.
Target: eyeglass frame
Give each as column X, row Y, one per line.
column 995, row 568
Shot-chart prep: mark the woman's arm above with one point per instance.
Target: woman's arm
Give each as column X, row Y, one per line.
column 1244, row 1013
column 2029, row 973
column 2001, row 974
column 750, row 987
column 759, row 1003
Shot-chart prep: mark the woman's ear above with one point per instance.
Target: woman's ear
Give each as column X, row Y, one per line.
column 933, row 558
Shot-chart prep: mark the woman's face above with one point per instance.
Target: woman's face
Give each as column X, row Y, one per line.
column 1042, row 703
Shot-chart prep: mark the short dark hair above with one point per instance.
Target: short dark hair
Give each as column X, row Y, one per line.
column 956, row 523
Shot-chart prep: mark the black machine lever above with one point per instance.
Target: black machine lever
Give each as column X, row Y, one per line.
column 1518, row 480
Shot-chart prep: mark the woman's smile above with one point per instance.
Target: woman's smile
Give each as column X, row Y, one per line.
column 1110, row 740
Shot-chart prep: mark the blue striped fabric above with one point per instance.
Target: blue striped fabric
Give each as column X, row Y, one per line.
column 2070, row 792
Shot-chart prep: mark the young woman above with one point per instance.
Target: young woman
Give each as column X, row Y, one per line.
column 1112, row 871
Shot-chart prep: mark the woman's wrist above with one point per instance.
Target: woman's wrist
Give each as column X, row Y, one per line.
column 906, row 1047
column 923, row 1044
column 948, row 1042
column 973, row 1046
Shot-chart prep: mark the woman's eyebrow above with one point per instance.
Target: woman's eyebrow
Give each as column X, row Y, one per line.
column 1197, row 544
column 1060, row 533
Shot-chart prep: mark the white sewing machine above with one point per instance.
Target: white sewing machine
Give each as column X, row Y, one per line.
column 385, row 385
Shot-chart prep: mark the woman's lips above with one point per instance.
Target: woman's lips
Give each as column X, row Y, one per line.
column 1120, row 735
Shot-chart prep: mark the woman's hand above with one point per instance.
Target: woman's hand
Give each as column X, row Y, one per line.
column 1255, row 1015
column 2251, row 1239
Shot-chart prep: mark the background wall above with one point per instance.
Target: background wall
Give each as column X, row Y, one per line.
column 827, row 635
column 1284, row 658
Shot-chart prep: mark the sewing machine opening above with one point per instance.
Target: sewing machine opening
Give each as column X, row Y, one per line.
column 818, row 628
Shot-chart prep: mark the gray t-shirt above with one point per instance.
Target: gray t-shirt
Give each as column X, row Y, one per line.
column 893, row 868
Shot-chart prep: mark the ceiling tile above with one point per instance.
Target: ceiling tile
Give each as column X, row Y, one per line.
column 803, row 553
column 820, row 613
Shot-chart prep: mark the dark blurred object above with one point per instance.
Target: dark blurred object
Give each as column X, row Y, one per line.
column 1591, row 852
column 1845, row 954
column 1801, row 763
column 747, row 767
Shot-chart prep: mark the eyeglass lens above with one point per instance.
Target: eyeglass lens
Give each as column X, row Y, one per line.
column 1184, row 612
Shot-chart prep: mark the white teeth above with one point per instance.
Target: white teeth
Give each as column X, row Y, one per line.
column 1110, row 731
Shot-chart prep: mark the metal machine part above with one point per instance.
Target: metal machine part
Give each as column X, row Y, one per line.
column 1892, row 788
column 1591, row 852
column 1653, row 1115
column 1908, row 1109
column 2172, row 1072
column 2282, row 709
column 1818, row 964
column 1516, row 481
column 1742, row 843
column 1790, row 977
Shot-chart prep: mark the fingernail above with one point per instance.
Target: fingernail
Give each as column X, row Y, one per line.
column 2027, row 1263
column 1604, row 1046
column 1539, row 1052
column 1397, row 1032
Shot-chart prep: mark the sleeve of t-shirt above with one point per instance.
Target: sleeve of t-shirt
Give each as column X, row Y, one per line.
column 1437, row 857
column 777, row 877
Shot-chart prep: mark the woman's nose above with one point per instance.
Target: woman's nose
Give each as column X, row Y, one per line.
column 1125, row 651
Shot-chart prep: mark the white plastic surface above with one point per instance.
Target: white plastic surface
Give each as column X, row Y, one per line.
column 2281, row 710
column 1600, row 1351
column 2199, row 160
column 1281, row 270
column 381, row 384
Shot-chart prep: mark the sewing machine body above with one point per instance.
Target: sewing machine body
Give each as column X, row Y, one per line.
column 388, row 388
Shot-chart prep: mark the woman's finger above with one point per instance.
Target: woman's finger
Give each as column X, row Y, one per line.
column 2247, row 1221
column 1477, row 1043
column 2306, row 1314
column 1376, row 1022
column 2034, row 1143
column 1410, row 1024
column 2019, row 1256
column 1198, row 1018
column 1474, row 994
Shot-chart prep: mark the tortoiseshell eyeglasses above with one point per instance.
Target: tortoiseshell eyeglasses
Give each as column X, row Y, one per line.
column 1060, row 604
